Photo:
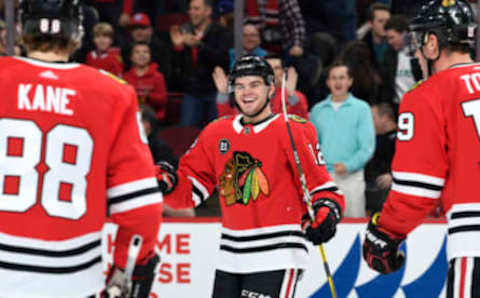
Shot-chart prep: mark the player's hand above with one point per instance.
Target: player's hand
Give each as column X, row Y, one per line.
column 340, row 168
column 166, row 176
column 142, row 280
column 380, row 248
column 220, row 79
column 384, row 181
column 327, row 215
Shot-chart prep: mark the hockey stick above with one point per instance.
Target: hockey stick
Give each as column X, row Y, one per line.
column 306, row 194
column 125, row 289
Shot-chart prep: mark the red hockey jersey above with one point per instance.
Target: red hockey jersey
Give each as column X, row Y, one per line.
column 437, row 158
column 110, row 61
column 70, row 151
column 260, row 194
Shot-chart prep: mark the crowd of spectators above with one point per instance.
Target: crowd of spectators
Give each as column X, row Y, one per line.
column 347, row 65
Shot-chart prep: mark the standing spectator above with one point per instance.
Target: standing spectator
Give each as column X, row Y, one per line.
column 105, row 56
column 346, row 135
column 378, row 15
column 141, row 30
column 199, row 46
column 249, row 159
column 400, row 70
column 147, row 81
column 295, row 100
column 118, row 14
column 281, row 25
column 366, row 79
column 66, row 164
column 250, row 43
column 378, row 172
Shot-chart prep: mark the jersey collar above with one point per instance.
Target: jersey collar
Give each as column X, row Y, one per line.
column 54, row 65
column 258, row 127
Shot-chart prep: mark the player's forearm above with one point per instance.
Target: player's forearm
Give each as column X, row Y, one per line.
column 181, row 196
column 133, row 222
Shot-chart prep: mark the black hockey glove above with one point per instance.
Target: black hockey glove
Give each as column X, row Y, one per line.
column 380, row 248
column 142, row 281
column 166, row 176
column 327, row 215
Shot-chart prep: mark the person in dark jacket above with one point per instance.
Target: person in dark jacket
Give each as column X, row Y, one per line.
column 199, row 46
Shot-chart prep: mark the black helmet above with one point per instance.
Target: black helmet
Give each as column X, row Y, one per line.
column 250, row 65
column 62, row 18
column 452, row 21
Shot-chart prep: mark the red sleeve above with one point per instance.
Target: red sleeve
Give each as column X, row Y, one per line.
column 134, row 200
column 419, row 166
column 319, row 182
column 127, row 6
column 158, row 96
column 196, row 176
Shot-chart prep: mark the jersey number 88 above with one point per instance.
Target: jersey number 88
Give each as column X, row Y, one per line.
column 22, row 166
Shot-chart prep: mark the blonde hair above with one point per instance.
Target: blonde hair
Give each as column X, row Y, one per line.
column 103, row 29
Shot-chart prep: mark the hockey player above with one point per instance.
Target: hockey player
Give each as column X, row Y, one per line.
column 250, row 160
column 437, row 149
column 69, row 141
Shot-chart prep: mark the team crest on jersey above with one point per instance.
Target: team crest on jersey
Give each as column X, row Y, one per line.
column 223, row 146
column 243, row 179
column 296, row 118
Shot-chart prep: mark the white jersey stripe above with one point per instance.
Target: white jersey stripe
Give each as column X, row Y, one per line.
column 264, row 230
column 288, row 284
column 137, row 202
column 203, row 190
column 263, row 242
column 130, row 187
column 416, row 191
column 467, row 290
column 416, row 177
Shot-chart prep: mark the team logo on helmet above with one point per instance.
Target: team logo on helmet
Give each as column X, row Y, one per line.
column 447, row 3
column 243, row 180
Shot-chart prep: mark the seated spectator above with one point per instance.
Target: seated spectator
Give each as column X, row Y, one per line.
column 105, row 56
column 250, row 43
column 378, row 169
column 295, row 100
column 400, row 70
column 161, row 151
column 161, row 52
column 346, row 135
column 147, row 80
column 199, row 46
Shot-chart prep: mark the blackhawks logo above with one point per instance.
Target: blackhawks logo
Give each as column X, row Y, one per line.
column 243, row 179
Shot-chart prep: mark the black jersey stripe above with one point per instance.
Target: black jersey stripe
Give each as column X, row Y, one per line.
column 54, row 270
column 264, row 247
column 51, row 253
column 132, row 195
column 417, row 184
column 331, row 188
column 263, row 236
column 466, row 228
column 198, row 193
column 465, row 214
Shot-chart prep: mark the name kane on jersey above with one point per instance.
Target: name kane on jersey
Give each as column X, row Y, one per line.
column 37, row 97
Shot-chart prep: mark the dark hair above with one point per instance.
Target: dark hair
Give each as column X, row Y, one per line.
column 397, row 22
column 141, row 43
column 358, row 57
column 273, row 56
column 384, row 108
column 339, row 63
column 376, row 6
